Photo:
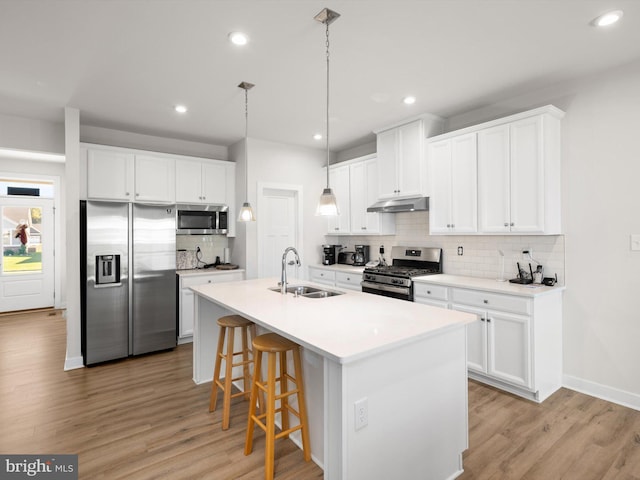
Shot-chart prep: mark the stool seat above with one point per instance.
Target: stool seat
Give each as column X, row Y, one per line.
column 228, row 324
column 272, row 342
column 276, row 348
column 233, row 321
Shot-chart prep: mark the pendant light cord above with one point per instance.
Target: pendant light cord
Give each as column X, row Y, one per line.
column 246, row 143
column 327, row 142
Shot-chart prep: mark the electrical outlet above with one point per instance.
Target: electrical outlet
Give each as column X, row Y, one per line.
column 460, row 251
column 362, row 413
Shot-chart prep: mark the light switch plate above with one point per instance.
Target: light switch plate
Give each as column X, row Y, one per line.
column 635, row 241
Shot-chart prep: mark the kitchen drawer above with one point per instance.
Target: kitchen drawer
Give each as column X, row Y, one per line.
column 349, row 280
column 192, row 280
column 491, row 301
column 432, row 292
column 322, row 276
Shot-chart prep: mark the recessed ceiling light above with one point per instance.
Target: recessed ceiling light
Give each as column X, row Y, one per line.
column 238, row 38
column 409, row 100
column 607, row 19
column 317, row 136
column 180, row 109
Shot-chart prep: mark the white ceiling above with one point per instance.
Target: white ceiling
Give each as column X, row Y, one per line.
column 125, row 63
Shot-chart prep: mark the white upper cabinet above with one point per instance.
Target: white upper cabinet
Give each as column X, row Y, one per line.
column 519, row 176
column 364, row 193
column 110, row 175
column 339, row 182
column 499, row 177
column 201, row 181
column 155, row 179
column 401, row 165
column 119, row 174
column 355, row 184
column 453, row 193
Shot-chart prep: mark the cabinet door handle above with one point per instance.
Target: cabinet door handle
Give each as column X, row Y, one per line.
column 126, row 193
column 486, row 301
column 511, row 224
column 428, row 292
column 137, row 194
column 482, row 319
column 506, row 224
column 453, row 225
column 488, row 319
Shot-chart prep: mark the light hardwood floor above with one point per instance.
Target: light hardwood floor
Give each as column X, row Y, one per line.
column 144, row 418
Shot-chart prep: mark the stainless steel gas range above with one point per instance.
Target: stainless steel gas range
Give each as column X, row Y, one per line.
column 395, row 280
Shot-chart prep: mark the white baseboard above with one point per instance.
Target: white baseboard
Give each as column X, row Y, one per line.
column 73, row 363
column 604, row 392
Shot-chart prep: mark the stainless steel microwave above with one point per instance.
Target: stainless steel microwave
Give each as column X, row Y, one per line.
column 202, row 219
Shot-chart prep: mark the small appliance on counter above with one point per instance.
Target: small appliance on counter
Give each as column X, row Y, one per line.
column 185, row 259
column 361, row 255
column 347, row 258
column 524, row 277
column 330, row 254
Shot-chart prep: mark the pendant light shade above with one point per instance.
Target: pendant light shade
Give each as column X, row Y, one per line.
column 327, row 204
column 246, row 212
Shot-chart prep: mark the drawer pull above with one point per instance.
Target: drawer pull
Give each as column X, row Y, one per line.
column 488, row 319
column 428, row 292
column 486, row 301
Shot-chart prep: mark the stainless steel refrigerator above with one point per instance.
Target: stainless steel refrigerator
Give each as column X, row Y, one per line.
column 128, row 270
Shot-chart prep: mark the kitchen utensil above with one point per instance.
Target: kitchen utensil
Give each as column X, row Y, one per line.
column 501, row 277
column 226, row 266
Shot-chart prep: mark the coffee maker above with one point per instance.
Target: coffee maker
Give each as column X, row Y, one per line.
column 361, row 255
column 330, row 254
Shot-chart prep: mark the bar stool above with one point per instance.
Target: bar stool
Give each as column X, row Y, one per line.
column 276, row 346
column 228, row 324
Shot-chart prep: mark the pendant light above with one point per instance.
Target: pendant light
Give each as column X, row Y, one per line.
column 327, row 205
column 246, row 212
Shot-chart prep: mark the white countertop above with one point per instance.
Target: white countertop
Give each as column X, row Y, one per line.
column 343, row 328
column 490, row 285
column 207, row 271
column 338, row 267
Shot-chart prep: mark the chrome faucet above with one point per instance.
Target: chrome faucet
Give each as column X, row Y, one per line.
column 283, row 275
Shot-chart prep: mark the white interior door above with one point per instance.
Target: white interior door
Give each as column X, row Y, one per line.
column 278, row 229
column 26, row 266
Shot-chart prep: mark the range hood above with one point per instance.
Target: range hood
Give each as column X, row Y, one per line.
column 396, row 205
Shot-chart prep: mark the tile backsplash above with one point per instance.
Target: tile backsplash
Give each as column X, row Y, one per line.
column 480, row 258
column 212, row 246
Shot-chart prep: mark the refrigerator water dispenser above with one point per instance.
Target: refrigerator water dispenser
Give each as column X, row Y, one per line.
column 107, row 269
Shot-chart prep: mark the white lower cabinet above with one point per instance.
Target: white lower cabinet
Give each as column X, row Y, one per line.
column 336, row 278
column 498, row 345
column 516, row 344
column 186, row 299
column 322, row 276
column 428, row 294
column 350, row 281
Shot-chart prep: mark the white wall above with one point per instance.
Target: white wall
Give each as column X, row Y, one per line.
column 601, row 208
column 28, row 134
column 106, row 136
column 272, row 162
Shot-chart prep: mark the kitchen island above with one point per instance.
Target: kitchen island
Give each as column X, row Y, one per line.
column 385, row 379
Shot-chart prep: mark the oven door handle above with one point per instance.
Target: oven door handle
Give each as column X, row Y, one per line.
column 384, row 287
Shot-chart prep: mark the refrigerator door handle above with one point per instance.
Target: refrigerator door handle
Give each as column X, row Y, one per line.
column 108, row 285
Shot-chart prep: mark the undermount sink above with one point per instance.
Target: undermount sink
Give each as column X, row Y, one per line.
column 308, row 292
